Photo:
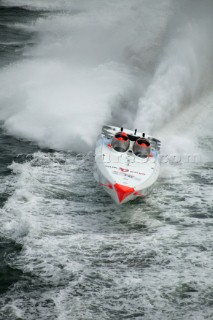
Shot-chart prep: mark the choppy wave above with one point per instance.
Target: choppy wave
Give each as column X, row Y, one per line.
column 83, row 257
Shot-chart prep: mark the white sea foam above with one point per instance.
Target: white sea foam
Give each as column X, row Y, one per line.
column 85, row 251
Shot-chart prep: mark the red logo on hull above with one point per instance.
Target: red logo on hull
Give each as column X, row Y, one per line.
column 123, row 191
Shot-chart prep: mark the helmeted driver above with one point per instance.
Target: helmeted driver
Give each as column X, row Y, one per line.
column 142, row 148
column 120, row 142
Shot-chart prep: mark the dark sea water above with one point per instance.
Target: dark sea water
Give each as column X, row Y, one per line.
column 66, row 251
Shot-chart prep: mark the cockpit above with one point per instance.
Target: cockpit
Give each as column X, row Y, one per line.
column 120, row 142
column 142, row 148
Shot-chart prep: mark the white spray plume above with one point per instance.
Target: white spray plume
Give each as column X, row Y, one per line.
column 94, row 62
column 85, row 70
column 185, row 68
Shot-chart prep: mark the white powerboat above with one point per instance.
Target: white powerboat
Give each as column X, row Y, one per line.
column 126, row 163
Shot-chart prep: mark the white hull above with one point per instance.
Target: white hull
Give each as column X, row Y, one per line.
column 123, row 175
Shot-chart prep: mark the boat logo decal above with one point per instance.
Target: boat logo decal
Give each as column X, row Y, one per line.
column 130, row 171
column 124, row 170
column 127, row 170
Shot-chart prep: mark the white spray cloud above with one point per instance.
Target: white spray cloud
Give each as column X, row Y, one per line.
column 185, row 69
column 89, row 62
column 94, row 62
column 56, row 106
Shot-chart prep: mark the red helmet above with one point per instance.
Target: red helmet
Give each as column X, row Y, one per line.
column 142, row 142
column 121, row 136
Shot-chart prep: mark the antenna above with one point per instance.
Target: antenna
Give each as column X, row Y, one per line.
column 143, row 135
column 135, row 131
column 122, row 129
